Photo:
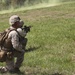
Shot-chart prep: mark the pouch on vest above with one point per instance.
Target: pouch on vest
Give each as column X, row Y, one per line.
column 3, row 55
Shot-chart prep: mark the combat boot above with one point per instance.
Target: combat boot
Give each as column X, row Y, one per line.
column 3, row 69
column 15, row 70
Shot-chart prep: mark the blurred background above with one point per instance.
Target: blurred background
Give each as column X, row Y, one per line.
column 8, row 4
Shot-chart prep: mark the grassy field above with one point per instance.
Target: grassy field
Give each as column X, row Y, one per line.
column 51, row 43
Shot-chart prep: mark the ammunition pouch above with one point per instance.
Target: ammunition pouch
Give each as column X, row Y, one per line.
column 5, row 55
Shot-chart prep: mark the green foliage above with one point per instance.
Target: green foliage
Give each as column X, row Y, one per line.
column 67, row 0
column 7, row 4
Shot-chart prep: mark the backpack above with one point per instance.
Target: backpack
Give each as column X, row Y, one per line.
column 3, row 36
column 3, row 53
column 5, row 46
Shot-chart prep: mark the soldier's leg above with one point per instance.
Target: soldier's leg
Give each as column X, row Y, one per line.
column 10, row 64
column 19, row 59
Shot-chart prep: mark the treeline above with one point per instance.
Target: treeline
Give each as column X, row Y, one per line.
column 6, row 4
column 67, row 0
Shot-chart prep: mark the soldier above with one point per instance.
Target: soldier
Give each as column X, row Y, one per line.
column 17, row 47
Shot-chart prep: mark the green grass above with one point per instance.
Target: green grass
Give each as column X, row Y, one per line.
column 51, row 42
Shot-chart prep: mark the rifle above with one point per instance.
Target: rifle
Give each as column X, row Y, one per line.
column 26, row 28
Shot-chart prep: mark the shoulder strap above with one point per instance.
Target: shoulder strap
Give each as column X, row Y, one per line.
column 16, row 31
column 10, row 31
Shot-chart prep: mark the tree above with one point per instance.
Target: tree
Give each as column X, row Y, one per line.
column 16, row 3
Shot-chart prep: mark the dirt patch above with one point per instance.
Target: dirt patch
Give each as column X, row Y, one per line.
column 45, row 13
column 38, row 14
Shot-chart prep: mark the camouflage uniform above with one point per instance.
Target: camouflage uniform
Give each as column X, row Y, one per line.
column 18, row 51
column 17, row 46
